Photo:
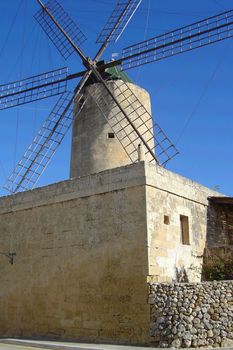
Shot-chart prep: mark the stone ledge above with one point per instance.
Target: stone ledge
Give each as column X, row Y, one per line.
column 136, row 174
column 106, row 181
column 178, row 185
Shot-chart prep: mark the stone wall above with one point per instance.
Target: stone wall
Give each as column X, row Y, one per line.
column 218, row 263
column 170, row 196
column 218, row 255
column 86, row 248
column 81, row 264
column 92, row 148
column 220, row 222
column 192, row 315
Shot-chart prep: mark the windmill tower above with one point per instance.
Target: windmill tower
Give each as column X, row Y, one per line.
column 123, row 107
column 95, row 145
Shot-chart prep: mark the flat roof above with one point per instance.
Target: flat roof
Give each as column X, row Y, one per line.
column 221, row 200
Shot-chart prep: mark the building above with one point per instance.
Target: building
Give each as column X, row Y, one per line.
column 86, row 249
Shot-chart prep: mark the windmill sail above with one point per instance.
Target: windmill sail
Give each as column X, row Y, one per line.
column 118, row 20
column 47, row 18
column 138, row 118
column 128, row 118
column 193, row 36
column 49, row 137
column 165, row 149
column 34, row 88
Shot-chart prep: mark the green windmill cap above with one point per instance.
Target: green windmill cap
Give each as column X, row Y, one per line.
column 117, row 73
column 113, row 73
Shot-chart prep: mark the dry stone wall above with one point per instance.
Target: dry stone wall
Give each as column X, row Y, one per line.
column 192, row 314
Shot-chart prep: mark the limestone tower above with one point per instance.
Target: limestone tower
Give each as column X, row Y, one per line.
column 95, row 147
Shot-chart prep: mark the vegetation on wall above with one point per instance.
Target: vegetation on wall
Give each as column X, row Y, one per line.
column 217, row 264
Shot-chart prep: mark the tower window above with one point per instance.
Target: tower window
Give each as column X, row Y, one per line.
column 184, row 226
column 111, row 135
column 166, row 220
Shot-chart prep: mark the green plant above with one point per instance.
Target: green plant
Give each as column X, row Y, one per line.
column 217, row 267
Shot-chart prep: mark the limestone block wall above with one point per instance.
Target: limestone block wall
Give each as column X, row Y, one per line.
column 168, row 198
column 192, row 315
column 81, row 264
column 87, row 247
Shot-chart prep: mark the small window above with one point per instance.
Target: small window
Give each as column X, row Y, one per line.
column 166, row 220
column 111, row 135
column 184, row 226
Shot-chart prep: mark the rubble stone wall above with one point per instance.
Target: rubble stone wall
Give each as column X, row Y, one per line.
column 220, row 225
column 192, row 314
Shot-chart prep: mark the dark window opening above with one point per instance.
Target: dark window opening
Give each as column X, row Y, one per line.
column 111, row 135
column 184, row 226
column 166, row 220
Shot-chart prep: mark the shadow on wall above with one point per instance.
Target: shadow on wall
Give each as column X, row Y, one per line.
column 218, row 254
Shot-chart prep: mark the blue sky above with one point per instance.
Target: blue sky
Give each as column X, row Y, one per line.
column 191, row 93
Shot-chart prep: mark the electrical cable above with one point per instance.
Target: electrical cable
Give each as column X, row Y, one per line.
column 158, row 12
column 2, row 49
column 36, row 103
column 4, row 177
column 200, row 99
column 34, row 51
column 49, row 53
column 12, row 236
column 219, row 5
column 145, row 35
column 18, row 58
column 21, row 66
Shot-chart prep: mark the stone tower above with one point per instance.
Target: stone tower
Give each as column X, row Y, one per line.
column 95, row 146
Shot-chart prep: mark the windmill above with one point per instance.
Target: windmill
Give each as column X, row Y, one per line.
column 130, row 120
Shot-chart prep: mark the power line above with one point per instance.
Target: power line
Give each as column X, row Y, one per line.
column 21, row 66
column 2, row 49
column 3, row 170
column 200, row 99
column 219, row 4
column 10, row 29
column 145, row 33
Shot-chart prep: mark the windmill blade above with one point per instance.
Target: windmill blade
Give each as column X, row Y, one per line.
column 138, row 118
column 164, row 148
column 34, row 88
column 49, row 137
column 51, row 14
column 193, row 36
column 118, row 21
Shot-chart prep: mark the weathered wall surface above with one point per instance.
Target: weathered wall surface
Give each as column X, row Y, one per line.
column 92, row 149
column 81, row 265
column 218, row 264
column 220, row 222
column 87, row 247
column 192, row 315
column 168, row 194
column 218, row 255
